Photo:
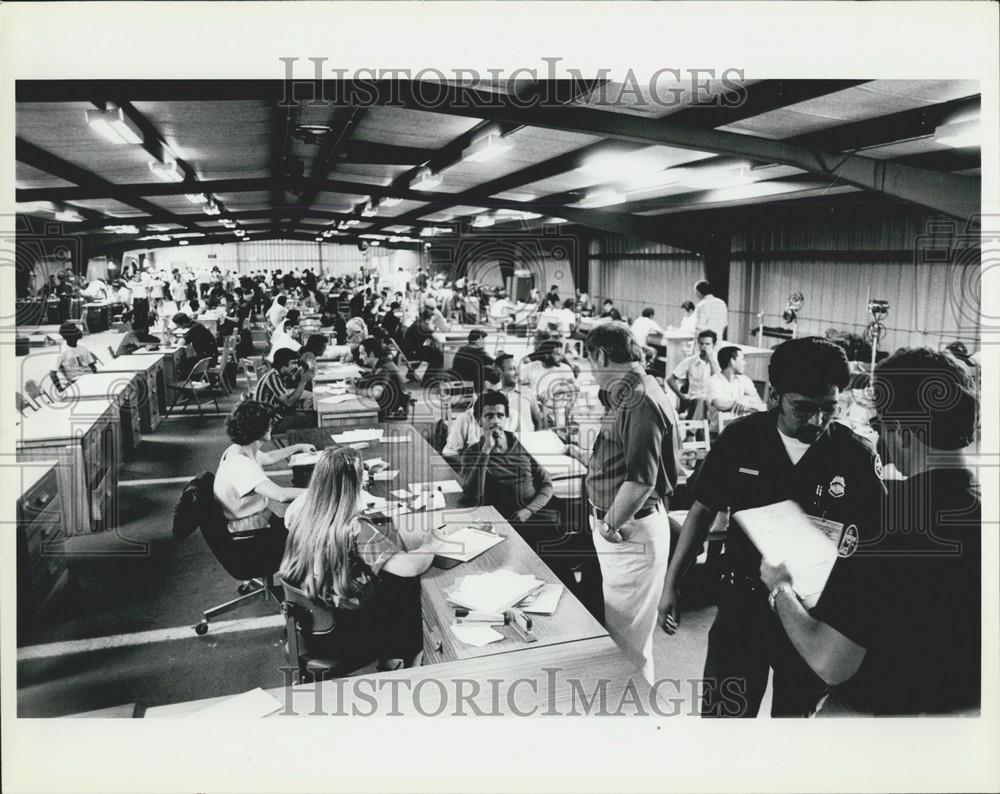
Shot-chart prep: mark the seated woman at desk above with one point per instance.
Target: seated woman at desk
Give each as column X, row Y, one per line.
column 242, row 487
column 337, row 558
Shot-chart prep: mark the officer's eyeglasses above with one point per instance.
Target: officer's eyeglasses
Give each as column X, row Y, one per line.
column 806, row 411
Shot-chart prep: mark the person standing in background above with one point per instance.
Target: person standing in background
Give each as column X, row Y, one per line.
column 711, row 313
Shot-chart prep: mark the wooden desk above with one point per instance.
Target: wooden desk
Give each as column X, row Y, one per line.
column 41, row 564
column 353, row 413
column 151, row 384
column 83, row 437
column 333, row 372
column 119, row 387
column 416, row 461
column 555, row 681
column 173, row 361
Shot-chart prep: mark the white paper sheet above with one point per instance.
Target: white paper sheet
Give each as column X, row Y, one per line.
column 782, row 532
column 385, row 476
column 475, row 635
column 253, row 704
column 495, row 591
column 466, row 544
column 544, row 601
column 402, row 493
column 446, row 486
column 351, row 436
column 304, row 459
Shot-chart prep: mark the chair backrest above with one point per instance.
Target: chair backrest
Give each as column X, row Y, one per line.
column 457, row 396
column 53, row 377
column 312, row 617
column 690, row 429
column 199, row 372
column 23, row 405
column 244, row 555
column 34, row 391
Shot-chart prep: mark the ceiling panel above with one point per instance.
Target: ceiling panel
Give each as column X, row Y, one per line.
column 375, row 174
column 660, row 95
column 27, row 177
column 416, row 128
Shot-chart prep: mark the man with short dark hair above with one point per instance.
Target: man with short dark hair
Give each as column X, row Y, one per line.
column 419, row 345
column 385, row 383
column 793, row 452
column 471, row 359
column 695, row 371
column 198, row 336
column 729, row 390
column 645, row 325
column 610, row 311
column 293, row 404
column 897, row 628
column 498, row 471
column 631, row 474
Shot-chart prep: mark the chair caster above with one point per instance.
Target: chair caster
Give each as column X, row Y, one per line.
column 201, row 628
column 245, row 588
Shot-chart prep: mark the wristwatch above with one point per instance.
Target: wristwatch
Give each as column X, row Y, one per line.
column 772, row 598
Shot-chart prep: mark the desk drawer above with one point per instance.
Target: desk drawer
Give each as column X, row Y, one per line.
column 44, row 534
column 39, row 499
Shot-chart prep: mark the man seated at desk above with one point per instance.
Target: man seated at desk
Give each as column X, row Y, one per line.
column 385, row 384
column 472, row 359
column 696, row 371
column 419, row 345
column 198, row 336
column 498, row 471
column 730, row 390
column 293, row 404
column 436, row 320
column 645, row 325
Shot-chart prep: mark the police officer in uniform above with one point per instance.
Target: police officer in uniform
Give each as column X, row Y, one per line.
column 793, row 451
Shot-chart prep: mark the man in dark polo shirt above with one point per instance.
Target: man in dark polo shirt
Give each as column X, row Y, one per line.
column 632, row 471
column 794, row 451
column 471, row 359
column 384, row 383
column 897, row 628
column 498, row 471
column 198, row 336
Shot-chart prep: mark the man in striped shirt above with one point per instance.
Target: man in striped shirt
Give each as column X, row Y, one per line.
column 710, row 313
column 294, row 405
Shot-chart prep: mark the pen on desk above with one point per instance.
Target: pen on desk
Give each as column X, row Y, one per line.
column 471, row 615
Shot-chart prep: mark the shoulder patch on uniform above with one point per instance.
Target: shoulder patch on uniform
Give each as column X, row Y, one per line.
column 879, row 469
column 848, row 541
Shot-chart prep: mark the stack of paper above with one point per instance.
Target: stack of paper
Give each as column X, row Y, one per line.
column 466, row 544
column 495, row 591
column 546, row 448
column 544, row 601
column 783, row 533
column 352, row 436
column 336, row 399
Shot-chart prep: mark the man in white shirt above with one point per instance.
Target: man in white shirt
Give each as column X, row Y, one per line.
column 437, row 322
column 730, row 390
column 282, row 338
column 277, row 312
column 711, row 313
column 501, row 309
column 645, row 325
column 696, row 371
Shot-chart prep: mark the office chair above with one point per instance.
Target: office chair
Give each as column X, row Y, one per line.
column 309, row 627
column 196, row 383
column 250, row 557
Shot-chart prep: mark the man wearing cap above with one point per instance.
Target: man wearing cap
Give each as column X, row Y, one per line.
column 631, row 472
column 471, row 359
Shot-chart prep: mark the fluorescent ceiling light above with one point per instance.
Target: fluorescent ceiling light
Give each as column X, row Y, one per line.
column 69, row 216
column 352, row 222
column 654, row 181
column 211, row 208
column 183, row 242
column 486, row 148
column 602, row 198
column 370, row 210
column 960, row 134
column 556, row 220
column 319, row 239
column 390, row 201
column 375, row 243
column 122, row 229
column 197, row 198
column 168, row 171
column 425, row 180
column 114, row 125
column 621, row 166
column 427, row 231
column 482, row 221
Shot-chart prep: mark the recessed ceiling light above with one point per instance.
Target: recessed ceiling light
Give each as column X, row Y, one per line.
column 112, row 124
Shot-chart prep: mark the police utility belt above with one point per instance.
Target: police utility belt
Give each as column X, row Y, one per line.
column 599, row 514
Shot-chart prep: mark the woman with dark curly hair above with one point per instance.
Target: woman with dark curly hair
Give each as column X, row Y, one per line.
column 242, row 487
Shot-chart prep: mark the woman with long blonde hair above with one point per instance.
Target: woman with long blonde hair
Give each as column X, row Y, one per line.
column 337, row 558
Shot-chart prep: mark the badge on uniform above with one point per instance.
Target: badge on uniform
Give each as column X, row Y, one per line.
column 848, row 542
column 878, row 466
column 837, row 487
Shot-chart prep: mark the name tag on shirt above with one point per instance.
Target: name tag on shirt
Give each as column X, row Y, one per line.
column 753, row 472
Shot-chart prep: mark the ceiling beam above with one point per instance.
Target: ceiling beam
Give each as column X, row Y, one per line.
column 954, row 195
column 32, row 155
column 281, row 120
